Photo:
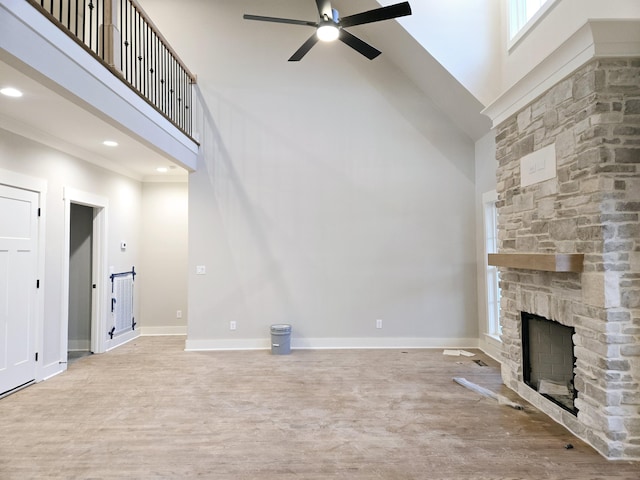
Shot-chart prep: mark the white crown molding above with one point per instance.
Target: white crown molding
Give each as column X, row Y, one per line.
column 595, row 39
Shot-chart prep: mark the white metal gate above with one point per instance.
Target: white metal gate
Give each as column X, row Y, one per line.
column 122, row 303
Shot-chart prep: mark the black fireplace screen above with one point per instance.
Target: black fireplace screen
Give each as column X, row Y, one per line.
column 548, row 359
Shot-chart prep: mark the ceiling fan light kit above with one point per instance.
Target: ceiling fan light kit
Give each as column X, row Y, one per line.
column 328, row 32
column 330, row 26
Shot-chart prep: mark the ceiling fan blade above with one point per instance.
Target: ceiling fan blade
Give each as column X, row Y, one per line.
column 358, row 45
column 306, row 46
column 377, row 15
column 279, row 20
column 324, row 8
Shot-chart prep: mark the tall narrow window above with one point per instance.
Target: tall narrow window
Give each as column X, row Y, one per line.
column 522, row 11
column 491, row 246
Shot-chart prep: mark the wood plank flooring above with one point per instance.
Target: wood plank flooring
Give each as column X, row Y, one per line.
column 150, row 410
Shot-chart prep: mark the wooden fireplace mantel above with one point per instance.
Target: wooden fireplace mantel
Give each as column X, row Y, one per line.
column 552, row 262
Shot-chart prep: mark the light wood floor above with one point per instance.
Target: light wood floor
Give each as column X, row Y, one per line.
column 151, row 410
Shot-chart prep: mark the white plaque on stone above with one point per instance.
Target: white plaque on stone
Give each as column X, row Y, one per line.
column 538, row 166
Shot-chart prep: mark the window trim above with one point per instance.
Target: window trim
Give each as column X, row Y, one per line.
column 492, row 305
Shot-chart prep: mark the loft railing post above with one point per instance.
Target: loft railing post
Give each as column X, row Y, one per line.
column 112, row 47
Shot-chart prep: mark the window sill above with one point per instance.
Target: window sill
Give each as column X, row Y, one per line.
column 492, row 337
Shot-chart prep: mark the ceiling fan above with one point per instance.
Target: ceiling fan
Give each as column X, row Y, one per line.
column 330, row 26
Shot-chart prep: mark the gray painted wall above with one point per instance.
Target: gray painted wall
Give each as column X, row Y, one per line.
column 329, row 193
column 163, row 269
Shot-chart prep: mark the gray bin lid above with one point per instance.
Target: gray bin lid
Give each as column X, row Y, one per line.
column 281, row 328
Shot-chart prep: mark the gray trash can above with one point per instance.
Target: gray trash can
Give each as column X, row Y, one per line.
column 280, row 339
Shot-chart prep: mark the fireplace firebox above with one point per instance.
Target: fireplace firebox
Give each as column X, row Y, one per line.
column 548, row 359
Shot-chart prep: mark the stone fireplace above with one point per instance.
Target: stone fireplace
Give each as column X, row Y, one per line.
column 588, row 210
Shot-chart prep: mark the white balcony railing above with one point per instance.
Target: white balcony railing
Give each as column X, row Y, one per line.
column 121, row 36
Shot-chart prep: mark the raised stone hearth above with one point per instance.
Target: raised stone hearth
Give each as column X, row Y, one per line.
column 592, row 207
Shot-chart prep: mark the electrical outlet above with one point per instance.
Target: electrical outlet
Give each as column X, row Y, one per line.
column 232, row 325
column 179, row 314
column 379, row 323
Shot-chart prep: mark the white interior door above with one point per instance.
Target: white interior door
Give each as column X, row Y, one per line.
column 18, row 275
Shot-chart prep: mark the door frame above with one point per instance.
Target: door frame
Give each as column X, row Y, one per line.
column 39, row 186
column 99, row 269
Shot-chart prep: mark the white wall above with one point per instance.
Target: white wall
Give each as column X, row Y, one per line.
column 329, row 193
column 466, row 37
column 163, row 267
column 60, row 170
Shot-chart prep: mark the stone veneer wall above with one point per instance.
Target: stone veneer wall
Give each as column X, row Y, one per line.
column 591, row 207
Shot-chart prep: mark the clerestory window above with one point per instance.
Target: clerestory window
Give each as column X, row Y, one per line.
column 523, row 13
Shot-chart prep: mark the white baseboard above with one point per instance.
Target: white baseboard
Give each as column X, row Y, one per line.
column 492, row 346
column 160, row 331
column 50, row 371
column 122, row 339
column 332, row 343
column 227, row 344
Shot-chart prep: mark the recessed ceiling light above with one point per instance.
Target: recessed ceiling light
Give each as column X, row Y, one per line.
column 110, row 143
column 162, row 169
column 11, row 92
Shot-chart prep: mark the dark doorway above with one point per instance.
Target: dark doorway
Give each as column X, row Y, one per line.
column 80, row 281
